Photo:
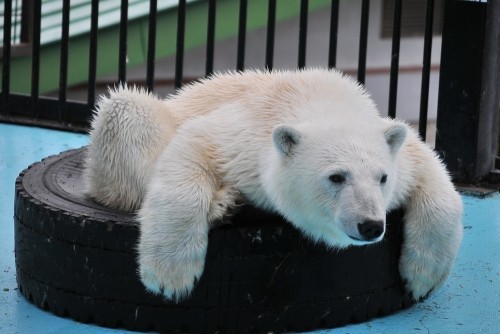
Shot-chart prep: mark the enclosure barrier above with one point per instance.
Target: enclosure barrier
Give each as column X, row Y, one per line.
column 469, row 91
column 467, row 124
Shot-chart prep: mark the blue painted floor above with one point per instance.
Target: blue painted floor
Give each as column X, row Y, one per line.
column 469, row 302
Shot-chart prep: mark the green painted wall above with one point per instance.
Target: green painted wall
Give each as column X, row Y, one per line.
column 107, row 52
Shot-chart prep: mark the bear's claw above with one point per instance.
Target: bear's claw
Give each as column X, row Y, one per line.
column 422, row 275
column 172, row 276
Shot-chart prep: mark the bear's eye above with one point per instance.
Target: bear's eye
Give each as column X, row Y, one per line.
column 383, row 179
column 337, row 178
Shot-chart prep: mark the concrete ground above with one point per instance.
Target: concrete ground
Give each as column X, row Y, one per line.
column 469, row 301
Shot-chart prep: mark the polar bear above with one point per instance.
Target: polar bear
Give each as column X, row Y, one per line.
column 309, row 145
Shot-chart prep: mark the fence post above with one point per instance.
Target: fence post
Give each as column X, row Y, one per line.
column 488, row 146
column 469, row 101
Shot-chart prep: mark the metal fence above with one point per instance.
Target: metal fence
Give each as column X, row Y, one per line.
column 466, row 155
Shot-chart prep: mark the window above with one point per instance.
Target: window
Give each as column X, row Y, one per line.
column 413, row 17
column 20, row 27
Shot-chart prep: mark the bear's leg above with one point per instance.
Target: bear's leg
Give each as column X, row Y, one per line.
column 433, row 228
column 174, row 218
column 130, row 129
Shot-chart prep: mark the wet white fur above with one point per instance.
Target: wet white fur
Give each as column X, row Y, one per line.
column 272, row 139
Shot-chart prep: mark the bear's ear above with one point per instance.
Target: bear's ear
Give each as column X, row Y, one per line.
column 285, row 137
column 395, row 136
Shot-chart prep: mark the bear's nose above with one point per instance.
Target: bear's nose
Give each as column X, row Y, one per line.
column 371, row 229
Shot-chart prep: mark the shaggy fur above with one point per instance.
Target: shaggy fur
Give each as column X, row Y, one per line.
column 309, row 145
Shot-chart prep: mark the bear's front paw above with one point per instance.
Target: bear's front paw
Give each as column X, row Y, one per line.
column 172, row 274
column 422, row 271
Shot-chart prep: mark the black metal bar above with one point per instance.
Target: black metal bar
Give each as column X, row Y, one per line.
column 334, row 27
column 35, row 65
column 304, row 4
column 363, row 40
column 271, row 26
column 396, row 39
column 179, row 55
column 26, row 26
column 150, row 65
column 209, row 65
column 63, row 67
column 122, row 48
column 242, row 27
column 94, row 21
column 6, row 51
column 426, row 70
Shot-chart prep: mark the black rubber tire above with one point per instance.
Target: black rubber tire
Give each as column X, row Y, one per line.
column 76, row 258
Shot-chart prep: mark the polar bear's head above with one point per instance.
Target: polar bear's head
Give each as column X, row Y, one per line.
column 335, row 182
